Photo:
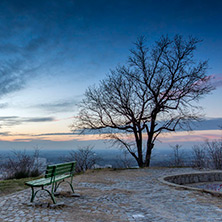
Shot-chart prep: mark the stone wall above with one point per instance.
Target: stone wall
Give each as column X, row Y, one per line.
column 194, row 178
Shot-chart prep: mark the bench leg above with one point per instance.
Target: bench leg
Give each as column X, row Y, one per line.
column 70, row 184
column 51, row 195
column 35, row 192
column 71, row 187
column 56, row 186
column 52, row 192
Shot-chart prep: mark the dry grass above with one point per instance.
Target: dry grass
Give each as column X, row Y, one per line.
column 13, row 185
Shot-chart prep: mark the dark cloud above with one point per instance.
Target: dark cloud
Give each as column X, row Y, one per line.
column 39, row 35
column 4, row 133
column 29, row 40
column 13, row 134
column 8, row 117
column 16, row 120
column 41, row 119
column 203, row 124
column 7, row 133
column 208, row 124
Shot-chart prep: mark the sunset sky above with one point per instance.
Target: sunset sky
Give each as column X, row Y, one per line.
column 51, row 51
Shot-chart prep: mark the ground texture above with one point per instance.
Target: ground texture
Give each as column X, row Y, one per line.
column 127, row 195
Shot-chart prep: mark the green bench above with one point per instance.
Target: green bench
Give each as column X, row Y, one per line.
column 55, row 174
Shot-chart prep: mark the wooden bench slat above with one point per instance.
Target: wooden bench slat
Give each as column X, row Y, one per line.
column 65, row 168
column 60, row 164
column 45, row 181
column 63, row 171
column 59, row 170
column 61, row 177
column 40, row 182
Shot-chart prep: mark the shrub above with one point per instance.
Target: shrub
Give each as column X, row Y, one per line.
column 21, row 165
column 85, row 158
column 178, row 156
column 199, row 157
column 208, row 155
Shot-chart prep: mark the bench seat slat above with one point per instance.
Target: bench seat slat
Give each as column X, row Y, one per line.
column 39, row 182
column 46, row 181
column 61, row 177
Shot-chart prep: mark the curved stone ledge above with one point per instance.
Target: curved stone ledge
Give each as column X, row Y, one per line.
column 183, row 180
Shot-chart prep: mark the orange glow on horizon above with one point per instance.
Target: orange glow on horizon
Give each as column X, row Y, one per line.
column 183, row 136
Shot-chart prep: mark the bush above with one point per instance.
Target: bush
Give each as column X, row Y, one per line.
column 199, row 157
column 124, row 160
column 214, row 150
column 85, row 158
column 178, row 156
column 22, row 165
column 208, row 155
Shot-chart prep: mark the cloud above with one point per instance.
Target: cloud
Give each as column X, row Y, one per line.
column 217, row 80
column 11, row 76
column 194, row 136
column 202, row 124
column 59, row 106
column 39, row 119
column 4, row 133
column 9, row 48
column 3, row 105
column 28, row 41
column 55, row 134
column 207, row 124
column 16, row 120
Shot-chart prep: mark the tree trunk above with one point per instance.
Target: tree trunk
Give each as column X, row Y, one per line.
column 150, row 143
column 148, row 154
column 140, row 163
column 139, row 144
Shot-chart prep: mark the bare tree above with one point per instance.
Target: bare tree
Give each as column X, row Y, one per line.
column 155, row 92
column 214, row 149
column 21, row 165
column 85, row 158
column 178, row 156
column 208, row 154
column 200, row 159
column 124, row 160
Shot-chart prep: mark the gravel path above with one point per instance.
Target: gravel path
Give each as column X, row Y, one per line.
column 127, row 195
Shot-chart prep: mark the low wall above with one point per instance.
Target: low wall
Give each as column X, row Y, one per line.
column 182, row 181
column 194, row 178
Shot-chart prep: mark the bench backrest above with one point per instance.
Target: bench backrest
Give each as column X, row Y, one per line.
column 59, row 169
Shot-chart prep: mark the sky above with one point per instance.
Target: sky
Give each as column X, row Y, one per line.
column 52, row 50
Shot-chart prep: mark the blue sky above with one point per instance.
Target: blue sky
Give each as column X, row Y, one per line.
column 51, row 51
